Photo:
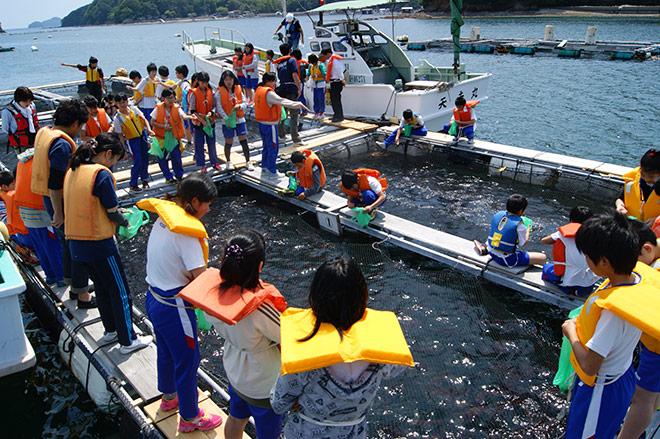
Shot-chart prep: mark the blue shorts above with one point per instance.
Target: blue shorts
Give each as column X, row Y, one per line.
column 241, row 81
column 648, row 371
column 518, row 259
column 229, row 133
column 251, row 82
column 267, row 422
column 549, row 275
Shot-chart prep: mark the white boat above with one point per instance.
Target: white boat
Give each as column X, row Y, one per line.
column 381, row 80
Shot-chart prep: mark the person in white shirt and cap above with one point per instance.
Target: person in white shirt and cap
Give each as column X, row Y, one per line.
column 293, row 31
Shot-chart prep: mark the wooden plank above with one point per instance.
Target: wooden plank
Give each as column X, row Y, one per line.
column 154, row 413
column 353, row 124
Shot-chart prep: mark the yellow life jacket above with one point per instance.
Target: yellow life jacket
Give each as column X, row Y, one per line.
column 41, row 164
column 131, row 124
column 137, row 97
column 92, row 75
column 178, row 220
column 85, row 218
column 316, row 73
column 652, row 344
column 376, row 338
column 632, row 198
column 638, row 304
column 149, row 90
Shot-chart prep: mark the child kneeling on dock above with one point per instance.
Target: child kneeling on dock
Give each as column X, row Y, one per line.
column 177, row 253
column 508, row 233
column 364, row 188
column 464, row 118
column 310, row 173
column 335, row 356
column 411, row 125
column 569, row 269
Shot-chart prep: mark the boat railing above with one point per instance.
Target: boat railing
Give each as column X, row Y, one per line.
column 217, row 33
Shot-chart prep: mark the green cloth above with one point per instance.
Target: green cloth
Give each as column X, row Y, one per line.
column 136, row 218
column 156, row 148
column 407, row 129
column 208, row 127
column 456, row 8
column 565, row 370
column 293, row 183
column 283, row 116
column 527, row 222
column 202, row 323
column 453, row 129
column 169, row 142
column 361, row 217
column 230, row 120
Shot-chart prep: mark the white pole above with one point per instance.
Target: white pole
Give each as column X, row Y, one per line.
column 283, row 7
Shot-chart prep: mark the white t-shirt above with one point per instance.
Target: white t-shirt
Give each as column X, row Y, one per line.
column 170, row 257
column 182, row 115
column 614, row 340
column 375, row 185
column 147, row 101
column 337, row 70
column 577, row 272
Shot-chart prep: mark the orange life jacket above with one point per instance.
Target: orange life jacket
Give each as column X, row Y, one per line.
column 174, row 120
column 281, row 59
column 247, row 60
column 228, row 102
column 14, row 222
column 302, row 68
column 363, row 182
column 632, row 197
column 232, row 304
column 24, row 197
column 238, row 65
column 328, row 73
column 465, row 115
column 559, row 249
column 306, row 173
column 262, row 111
column 203, row 102
column 41, row 166
column 94, row 128
column 85, row 218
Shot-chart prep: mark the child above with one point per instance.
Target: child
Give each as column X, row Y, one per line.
column 137, row 95
column 464, row 117
column 201, row 106
column 168, row 116
column 251, row 356
column 174, row 259
column 250, row 70
column 164, row 81
column 647, row 393
column 310, row 173
column 569, row 268
column 147, row 87
column 641, row 193
column 269, row 68
column 230, row 108
column 110, row 106
column 268, row 112
column 237, row 66
column 508, row 234
column 333, row 401
column 317, row 73
column 182, row 91
column 602, row 343
column 302, row 74
column 98, row 121
column 133, row 126
column 411, row 125
column 20, row 121
column 15, row 226
column 364, row 188
column 91, row 216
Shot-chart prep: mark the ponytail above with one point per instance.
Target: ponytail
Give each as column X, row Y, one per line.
column 244, row 253
column 86, row 152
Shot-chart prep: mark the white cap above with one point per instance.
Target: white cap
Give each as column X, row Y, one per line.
column 289, row 17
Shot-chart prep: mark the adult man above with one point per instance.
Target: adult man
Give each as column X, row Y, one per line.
column 289, row 88
column 93, row 77
column 293, row 31
column 335, row 76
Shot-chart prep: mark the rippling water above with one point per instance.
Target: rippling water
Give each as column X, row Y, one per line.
column 485, row 354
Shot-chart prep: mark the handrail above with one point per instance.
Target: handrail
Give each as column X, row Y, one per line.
column 219, row 31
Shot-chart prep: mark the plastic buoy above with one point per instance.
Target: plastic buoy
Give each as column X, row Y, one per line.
column 34, row 48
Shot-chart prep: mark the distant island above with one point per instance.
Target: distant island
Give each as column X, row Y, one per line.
column 133, row 11
column 53, row 22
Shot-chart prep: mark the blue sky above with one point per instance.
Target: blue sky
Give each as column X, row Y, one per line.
column 25, row 12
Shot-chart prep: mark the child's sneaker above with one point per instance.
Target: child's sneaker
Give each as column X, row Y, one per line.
column 470, row 142
column 167, row 405
column 217, row 167
column 201, row 423
column 141, row 342
column 229, row 166
column 250, row 166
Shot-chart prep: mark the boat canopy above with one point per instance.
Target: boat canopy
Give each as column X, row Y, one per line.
column 354, row 5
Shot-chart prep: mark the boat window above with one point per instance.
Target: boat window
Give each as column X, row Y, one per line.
column 378, row 39
column 337, row 46
column 322, row 33
column 325, row 45
column 314, row 46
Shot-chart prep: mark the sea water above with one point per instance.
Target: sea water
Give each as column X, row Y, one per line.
column 485, row 354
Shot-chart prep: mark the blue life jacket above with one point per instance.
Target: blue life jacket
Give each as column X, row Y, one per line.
column 503, row 234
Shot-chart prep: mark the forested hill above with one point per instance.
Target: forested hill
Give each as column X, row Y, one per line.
column 130, row 11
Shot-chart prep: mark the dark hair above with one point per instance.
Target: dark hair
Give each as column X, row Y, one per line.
column 194, row 77
column 609, row 236
column 23, row 94
column 121, row 97
column 239, row 52
column 268, row 77
column 198, row 186
column 134, row 74
column 338, row 295
column 407, row 114
column 203, row 77
column 70, row 111
column 580, row 214
column 224, row 76
column 110, row 97
column 183, row 69
column 650, row 161
column 244, row 252
column 644, row 234
column 270, row 53
column 460, row 101
column 250, row 46
column 103, row 142
column 326, row 51
column 312, row 59
column 516, row 203
column 166, row 93
column 90, row 101
column 6, row 178
column 296, row 53
column 348, row 179
column 297, row 157
column 93, row 60
column 285, row 49
column 163, row 71
column 151, row 67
